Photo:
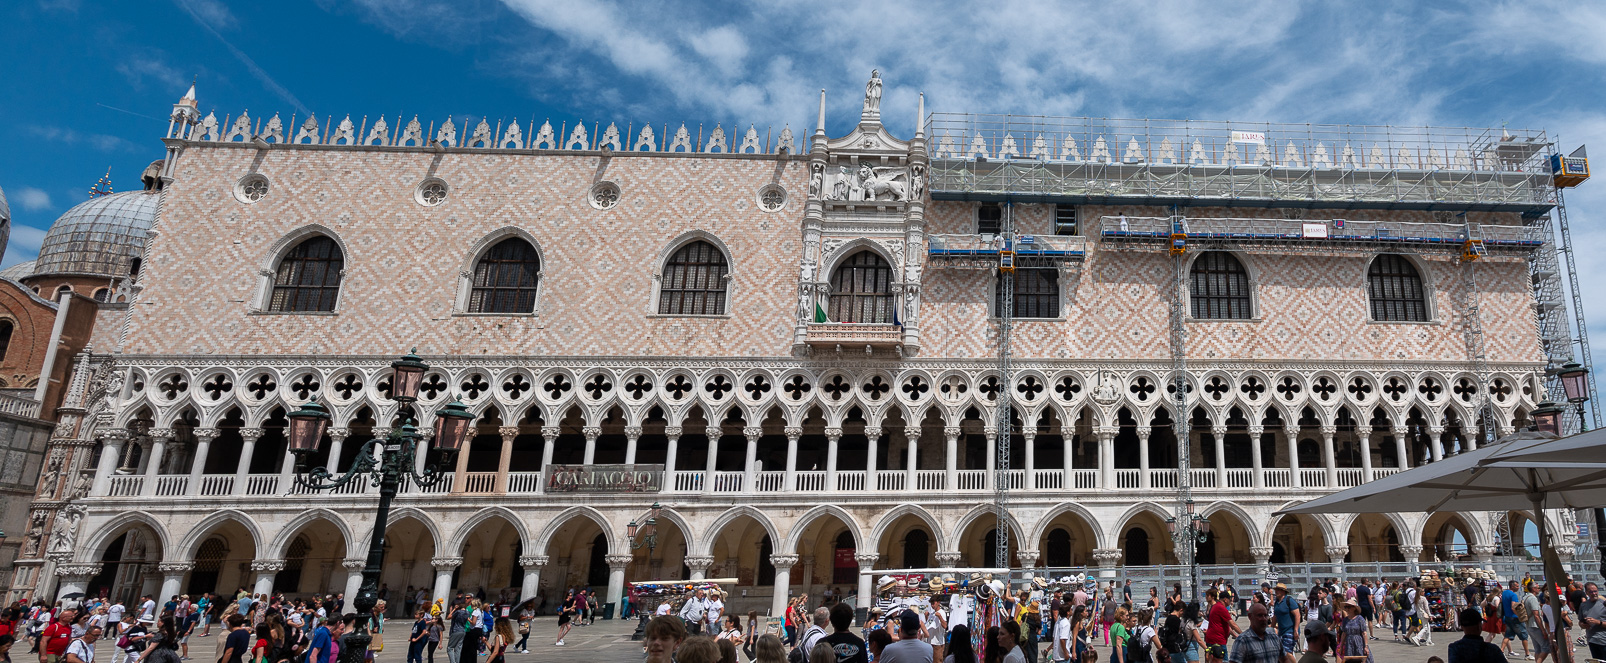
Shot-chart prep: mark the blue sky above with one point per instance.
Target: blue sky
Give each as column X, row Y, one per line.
column 89, row 83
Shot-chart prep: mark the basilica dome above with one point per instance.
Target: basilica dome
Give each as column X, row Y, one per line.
column 103, row 236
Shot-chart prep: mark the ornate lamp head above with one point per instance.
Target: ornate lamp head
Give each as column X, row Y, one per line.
column 409, row 375
column 452, row 425
column 307, row 426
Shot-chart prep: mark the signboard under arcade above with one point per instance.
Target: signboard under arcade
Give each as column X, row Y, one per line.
column 604, row 478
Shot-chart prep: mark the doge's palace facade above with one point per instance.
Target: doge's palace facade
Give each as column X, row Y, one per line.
column 799, row 333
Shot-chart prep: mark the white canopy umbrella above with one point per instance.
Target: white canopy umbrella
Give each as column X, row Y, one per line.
column 1536, row 470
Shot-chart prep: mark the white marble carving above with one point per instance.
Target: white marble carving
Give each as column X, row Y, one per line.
column 447, row 135
column 645, row 140
column 545, row 139
column 786, row 145
column 241, row 130
column 716, row 139
column 481, row 136
column 513, row 138
column 750, row 143
column 274, row 130
column 379, row 134
column 610, row 138
column 345, row 131
column 413, row 134
column 308, row 133
column 681, row 142
column 578, row 140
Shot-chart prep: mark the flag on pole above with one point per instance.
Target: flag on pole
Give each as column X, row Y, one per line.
column 819, row 313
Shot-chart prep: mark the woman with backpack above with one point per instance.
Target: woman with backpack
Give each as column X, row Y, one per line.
column 1140, row 644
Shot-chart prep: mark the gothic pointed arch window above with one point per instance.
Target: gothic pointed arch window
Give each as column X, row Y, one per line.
column 1218, row 288
column 6, row 328
column 506, row 278
column 861, row 289
column 694, row 281
column 1395, row 289
column 308, row 277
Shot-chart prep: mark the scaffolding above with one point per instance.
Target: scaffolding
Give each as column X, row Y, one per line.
column 1218, row 163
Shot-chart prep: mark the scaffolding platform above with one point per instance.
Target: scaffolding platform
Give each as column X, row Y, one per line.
column 1237, row 164
column 982, row 251
column 1336, row 233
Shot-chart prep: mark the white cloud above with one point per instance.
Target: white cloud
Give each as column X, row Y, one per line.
column 215, row 13
column 724, row 47
column 32, row 199
column 100, row 142
column 137, row 68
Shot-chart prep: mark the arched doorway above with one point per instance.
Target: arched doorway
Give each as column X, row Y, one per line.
column 1137, row 547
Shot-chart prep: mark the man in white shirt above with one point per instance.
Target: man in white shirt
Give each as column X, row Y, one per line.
column 114, row 618
column 713, row 607
column 816, row 631
column 82, row 648
column 691, row 612
column 936, row 627
column 1063, row 645
column 147, row 610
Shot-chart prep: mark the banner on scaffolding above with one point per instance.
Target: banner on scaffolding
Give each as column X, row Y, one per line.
column 1314, row 231
column 1249, row 137
column 604, row 478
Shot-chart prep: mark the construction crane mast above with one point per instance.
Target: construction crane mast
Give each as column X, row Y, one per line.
column 1183, row 536
column 1006, row 312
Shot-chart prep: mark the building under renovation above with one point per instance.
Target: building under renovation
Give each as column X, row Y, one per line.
column 817, row 354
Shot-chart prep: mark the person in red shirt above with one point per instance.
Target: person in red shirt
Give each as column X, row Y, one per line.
column 56, row 636
column 1221, row 626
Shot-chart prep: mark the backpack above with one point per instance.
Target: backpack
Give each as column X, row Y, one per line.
column 1136, row 650
column 1399, row 599
column 1521, row 611
column 1173, row 640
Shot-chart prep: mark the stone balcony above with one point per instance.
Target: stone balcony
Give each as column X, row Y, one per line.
column 833, row 334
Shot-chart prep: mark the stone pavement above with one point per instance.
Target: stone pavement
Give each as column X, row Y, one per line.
column 609, row 641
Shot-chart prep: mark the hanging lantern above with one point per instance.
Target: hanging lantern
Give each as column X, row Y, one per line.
column 409, row 374
column 1547, row 418
column 307, row 426
column 1573, row 381
column 452, row 424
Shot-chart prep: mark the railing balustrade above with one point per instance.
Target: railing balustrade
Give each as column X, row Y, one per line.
column 171, row 485
column 688, row 481
column 523, row 482
column 850, row 480
column 1049, row 479
column 728, row 482
column 1086, row 479
column 1350, row 477
column 930, row 479
column 479, row 482
column 770, row 481
column 262, row 484
column 125, row 486
column 892, row 480
column 1202, row 478
column 1128, row 478
column 213, row 485
column 972, row 479
column 1238, row 477
column 1313, row 478
column 1278, row 477
column 1015, row 479
column 811, row 480
column 1163, row 478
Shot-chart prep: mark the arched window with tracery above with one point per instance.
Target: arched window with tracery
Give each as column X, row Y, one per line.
column 1218, row 288
column 1395, row 290
column 308, row 277
column 506, row 278
column 694, row 281
column 861, row 289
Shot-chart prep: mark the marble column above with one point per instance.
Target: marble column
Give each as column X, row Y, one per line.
column 783, row 582
column 616, row 581
column 504, row 462
column 353, row 567
column 531, row 583
column 1068, row 441
column 866, row 599
column 670, row 456
column 112, row 444
column 1363, row 435
column 991, row 477
column 153, row 468
column 1329, row 458
column 951, row 481
column 549, row 437
column 911, row 434
column 1107, row 456
column 1291, row 437
column 1218, row 437
column 1029, row 434
column 833, row 435
column 1028, row 559
column 1335, row 555
column 1108, row 559
column 1144, row 481
column 337, row 447
column 1469, row 435
column 1413, row 557
column 591, row 433
column 632, row 437
column 699, row 564
column 873, row 435
column 1258, row 481
column 750, row 463
column 714, row 433
column 173, row 578
column 1262, row 555
column 265, row 569
column 1401, row 459
column 793, row 434
column 444, row 566
column 1434, row 435
column 460, row 471
column 203, row 446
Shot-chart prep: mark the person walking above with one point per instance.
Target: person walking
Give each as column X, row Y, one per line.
column 1257, row 644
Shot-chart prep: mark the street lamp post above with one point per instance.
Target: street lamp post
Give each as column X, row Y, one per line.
column 394, row 462
column 1573, row 382
column 640, row 536
column 1188, row 534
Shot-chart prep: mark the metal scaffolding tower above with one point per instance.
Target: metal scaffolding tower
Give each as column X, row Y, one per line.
column 1006, row 312
column 1472, row 327
column 1183, row 536
column 1584, row 357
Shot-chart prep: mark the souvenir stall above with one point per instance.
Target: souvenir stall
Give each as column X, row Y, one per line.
column 970, row 595
column 646, row 597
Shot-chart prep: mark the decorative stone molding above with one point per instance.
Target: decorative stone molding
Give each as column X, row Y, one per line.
column 617, row 562
column 866, row 560
column 78, row 570
column 209, row 434
column 699, row 562
column 354, row 563
column 534, row 561
column 591, row 433
column 1411, row 553
column 268, row 565
column 1262, row 554
column 872, row 432
column 1107, row 557
column 672, row 431
column 254, row 434
column 1336, row 553
column 443, row 563
column 1028, row 558
column 782, row 561
column 833, row 433
column 714, row 432
column 633, row 432
column 793, row 433
column 753, row 432
column 111, row 435
column 508, row 432
column 948, row 558
column 1484, row 552
column 161, row 434
column 175, row 568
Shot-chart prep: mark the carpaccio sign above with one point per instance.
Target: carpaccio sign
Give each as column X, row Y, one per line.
column 604, row 478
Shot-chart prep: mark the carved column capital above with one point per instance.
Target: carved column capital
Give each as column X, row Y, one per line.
column 1291, row 431
column 866, row 560
column 1143, row 432
column 782, row 562
column 160, row 434
column 911, row 433
column 633, row 432
column 617, row 562
column 1256, row 430
column 175, row 568
column 1363, row 431
column 535, row 561
column 952, row 432
column 354, row 563
column 1563, row 552
column 948, row 558
column 1328, row 430
column 1107, row 557
column 1028, row 558
column 1411, row 552
column 1261, row 553
column 591, row 433
column 872, row 432
column 204, row 435
column 1219, row 430
column 508, row 433
column 793, row 433
column 1106, row 433
column 267, row 565
column 699, row 562
column 714, row 432
column 253, row 434
column 672, row 431
column 550, row 432
column 444, row 563
column 1336, row 553
column 83, row 571
column 833, row 433
column 114, row 435
column 752, row 433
